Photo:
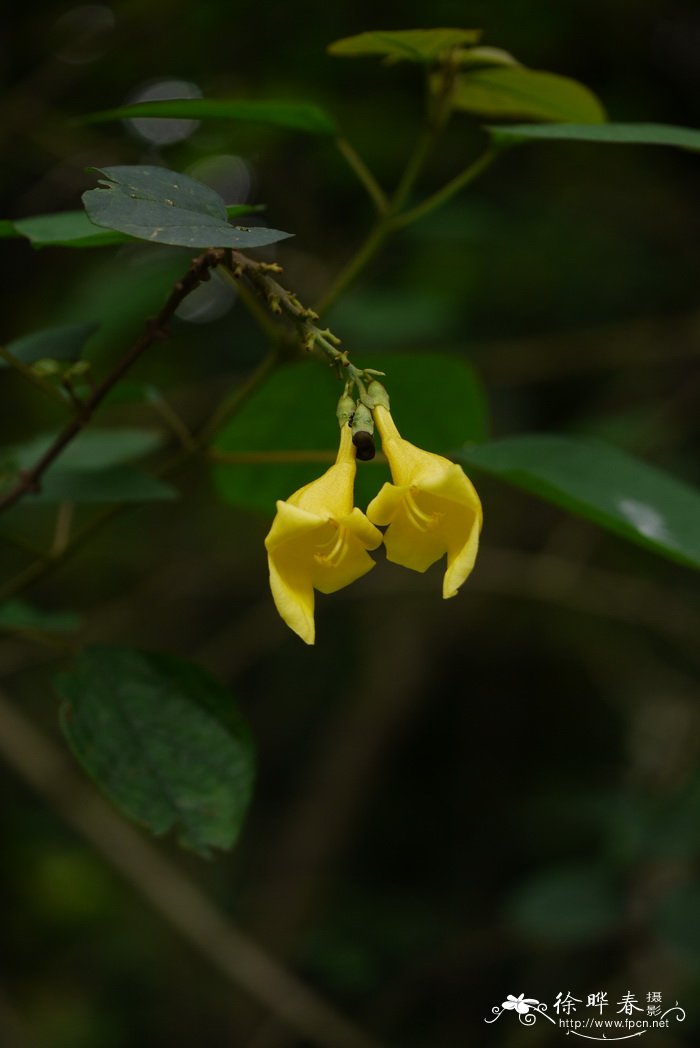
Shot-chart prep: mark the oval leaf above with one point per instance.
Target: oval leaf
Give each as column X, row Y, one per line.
column 297, row 116
column 411, row 45
column 605, row 134
column 516, row 93
column 117, row 484
column 630, row 498
column 152, row 203
column 163, row 740
column 93, row 448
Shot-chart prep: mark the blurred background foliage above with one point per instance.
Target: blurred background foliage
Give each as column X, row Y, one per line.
column 454, row 802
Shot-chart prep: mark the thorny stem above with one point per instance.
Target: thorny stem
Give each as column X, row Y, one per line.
column 284, row 303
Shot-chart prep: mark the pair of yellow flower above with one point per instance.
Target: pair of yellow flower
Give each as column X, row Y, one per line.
column 318, row 540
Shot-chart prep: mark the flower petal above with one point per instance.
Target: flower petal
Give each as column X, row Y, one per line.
column 384, row 506
column 462, row 547
column 289, row 523
column 293, row 595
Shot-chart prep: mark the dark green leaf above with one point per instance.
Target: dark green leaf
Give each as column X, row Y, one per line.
column 513, row 92
column 93, row 449
column 163, row 740
column 74, row 228
column 298, row 116
column 114, row 484
column 412, row 45
column 277, row 418
column 161, row 206
column 604, row 485
column 7, row 229
column 16, row 615
column 613, row 134
column 569, row 905
column 64, row 342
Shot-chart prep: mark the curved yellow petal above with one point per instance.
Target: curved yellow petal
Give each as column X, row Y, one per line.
column 385, row 505
column 290, row 522
column 366, row 533
column 318, row 540
column 331, row 495
column 293, row 595
column 461, row 555
column 431, row 508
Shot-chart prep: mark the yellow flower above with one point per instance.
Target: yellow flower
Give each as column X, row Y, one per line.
column 431, row 508
column 319, row 541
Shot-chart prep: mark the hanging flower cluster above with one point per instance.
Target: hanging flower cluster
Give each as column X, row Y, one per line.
column 319, row 539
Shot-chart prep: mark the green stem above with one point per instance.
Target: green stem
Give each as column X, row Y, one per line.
column 413, row 169
column 364, row 175
column 446, row 192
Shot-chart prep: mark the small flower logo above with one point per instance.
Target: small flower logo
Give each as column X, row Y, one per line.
column 521, row 1004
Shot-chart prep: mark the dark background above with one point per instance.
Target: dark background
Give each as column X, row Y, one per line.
column 500, row 794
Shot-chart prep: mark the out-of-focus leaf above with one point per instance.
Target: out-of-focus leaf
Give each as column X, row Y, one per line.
column 297, row 116
column 412, row 45
column 607, row 486
column 516, row 93
column 483, row 57
column 164, row 207
column 568, row 905
column 92, row 449
column 7, row 229
column 274, row 419
column 163, row 740
column 606, row 133
column 64, row 342
column 17, row 615
column 114, row 484
column 66, row 229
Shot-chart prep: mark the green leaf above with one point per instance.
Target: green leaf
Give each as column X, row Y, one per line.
column 7, row 229
column 621, row 493
column 16, row 615
column 297, row 116
column 513, row 92
column 74, row 228
column 92, row 449
column 412, row 45
column 570, row 905
column 115, row 484
column 612, row 134
column 64, row 342
column 437, row 417
column 163, row 207
column 484, row 57
column 163, row 740
column 66, row 229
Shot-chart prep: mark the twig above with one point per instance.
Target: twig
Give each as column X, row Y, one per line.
column 156, row 330
column 177, row 898
column 364, row 175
